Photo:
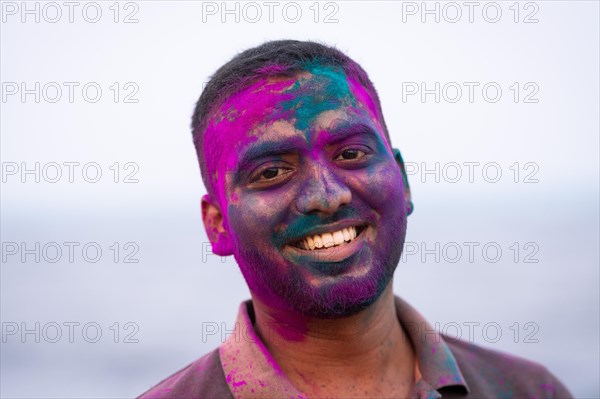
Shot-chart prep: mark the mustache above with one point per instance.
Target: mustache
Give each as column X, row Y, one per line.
column 302, row 226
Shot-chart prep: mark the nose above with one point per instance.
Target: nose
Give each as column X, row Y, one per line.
column 322, row 191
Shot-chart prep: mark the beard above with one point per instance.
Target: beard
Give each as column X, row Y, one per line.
column 341, row 296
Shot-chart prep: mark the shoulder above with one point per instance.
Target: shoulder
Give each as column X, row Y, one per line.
column 491, row 373
column 203, row 378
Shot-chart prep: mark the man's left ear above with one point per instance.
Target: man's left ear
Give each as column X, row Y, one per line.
column 407, row 197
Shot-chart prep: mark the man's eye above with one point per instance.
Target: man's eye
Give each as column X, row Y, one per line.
column 271, row 173
column 350, row 154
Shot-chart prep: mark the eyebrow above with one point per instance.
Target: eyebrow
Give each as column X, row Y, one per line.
column 344, row 132
column 267, row 149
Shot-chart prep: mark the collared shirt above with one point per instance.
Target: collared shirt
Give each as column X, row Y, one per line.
column 243, row 368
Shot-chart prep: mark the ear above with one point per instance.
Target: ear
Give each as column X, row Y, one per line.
column 407, row 197
column 213, row 224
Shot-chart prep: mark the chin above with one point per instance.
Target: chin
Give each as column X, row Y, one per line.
column 345, row 296
column 342, row 296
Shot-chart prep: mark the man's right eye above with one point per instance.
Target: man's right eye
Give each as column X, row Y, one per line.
column 271, row 174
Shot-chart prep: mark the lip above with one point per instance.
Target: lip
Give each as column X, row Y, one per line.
column 331, row 254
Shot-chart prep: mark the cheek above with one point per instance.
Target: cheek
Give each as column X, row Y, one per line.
column 383, row 179
column 254, row 217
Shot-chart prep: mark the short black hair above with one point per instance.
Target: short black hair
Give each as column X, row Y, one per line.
column 273, row 58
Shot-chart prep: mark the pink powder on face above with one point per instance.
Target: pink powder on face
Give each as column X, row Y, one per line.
column 363, row 97
column 443, row 380
column 234, row 125
column 230, row 124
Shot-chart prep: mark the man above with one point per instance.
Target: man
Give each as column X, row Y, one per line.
column 307, row 193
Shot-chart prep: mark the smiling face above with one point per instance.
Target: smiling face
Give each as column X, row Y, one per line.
column 306, row 193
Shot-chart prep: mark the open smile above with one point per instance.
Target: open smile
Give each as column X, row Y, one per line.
column 335, row 245
column 340, row 237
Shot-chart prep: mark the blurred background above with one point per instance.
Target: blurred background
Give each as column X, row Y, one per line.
column 107, row 281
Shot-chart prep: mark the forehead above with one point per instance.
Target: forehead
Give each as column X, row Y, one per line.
column 286, row 108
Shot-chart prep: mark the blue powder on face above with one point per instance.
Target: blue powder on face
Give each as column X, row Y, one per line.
column 327, row 89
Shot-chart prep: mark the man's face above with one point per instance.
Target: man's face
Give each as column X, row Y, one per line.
column 311, row 196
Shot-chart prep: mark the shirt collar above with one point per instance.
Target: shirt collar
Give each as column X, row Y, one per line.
column 436, row 363
column 251, row 372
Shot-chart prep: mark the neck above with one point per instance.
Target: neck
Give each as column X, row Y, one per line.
column 321, row 356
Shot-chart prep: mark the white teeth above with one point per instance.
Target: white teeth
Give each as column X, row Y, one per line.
column 338, row 237
column 318, row 241
column 346, row 234
column 328, row 240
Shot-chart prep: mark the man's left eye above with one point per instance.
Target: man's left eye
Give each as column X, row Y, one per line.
column 350, row 154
